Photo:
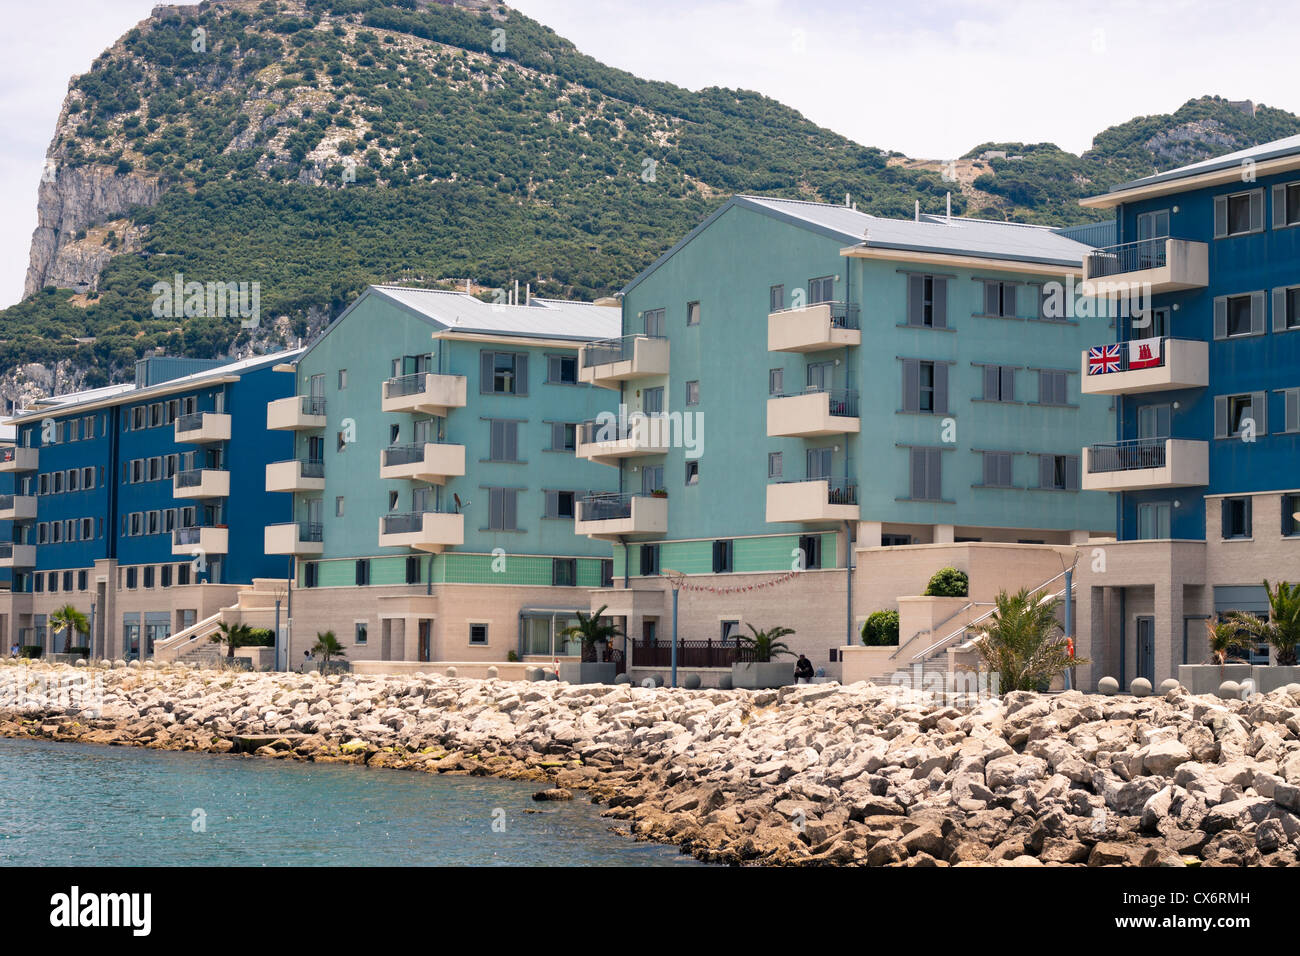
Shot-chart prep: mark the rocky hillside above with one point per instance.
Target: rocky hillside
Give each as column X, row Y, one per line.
column 314, row 146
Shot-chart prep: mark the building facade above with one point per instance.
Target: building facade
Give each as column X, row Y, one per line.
column 1203, row 465
column 803, row 385
column 135, row 503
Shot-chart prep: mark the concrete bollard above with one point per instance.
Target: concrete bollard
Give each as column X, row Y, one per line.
column 622, row 679
column 691, row 682
column 532, row 673
column 1168, row 686
column 451, row 672
column 724, row 682
column 1140, row 687
column 492, row 671
column 1229, row 688
column 1108, row 686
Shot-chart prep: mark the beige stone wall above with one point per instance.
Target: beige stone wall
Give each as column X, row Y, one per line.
column 1266, row 555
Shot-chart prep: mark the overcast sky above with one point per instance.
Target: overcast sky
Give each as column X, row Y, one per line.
column 931, row 79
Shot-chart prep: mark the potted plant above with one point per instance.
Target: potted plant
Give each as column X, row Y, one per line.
column 761, row 669
column 595, row 633
column 659, row 493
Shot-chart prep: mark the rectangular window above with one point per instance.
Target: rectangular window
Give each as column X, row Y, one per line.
column 148, row 575
column 925, row 387
column 810, row 547
column 413, row 570
column 1286, row 205
column 504, row 373
column 562, row 369
column 1233, row 414
column 1058, row 472
column 165, row 576
column 130, row 578
column 338, row 507
column 360, row 633
column 1291, row 406
column 88, row 477
column 693, row 472
column 776, row 381
column 1153, row 520
column 692, row 313
column 693, row 393
column 652, row 400
column 1052, row 387
column 504, row 440
column 1236, row 517
column 776, row 298
column 182, row 574
column 654, row 322
column 564, row 572
column 363, row 572
column 817, row 463
column 722, row 557
column 81, row 580
column 997, row 469
column 774, row 464
column 821, row 289
column 1290, row 523
column 310, row 574
column 1000, row 299
column 559, row 504
column 478, row 633
column 1238, row 214
column 999, row 383
column 87, row 529
column 503, row 509
column 649, row 560
column 343, row 379
column 564, row 436
column 927, row 302
column 926, row 474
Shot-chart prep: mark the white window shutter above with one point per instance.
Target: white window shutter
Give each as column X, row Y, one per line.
column 1221, row 317
column 1257, row 210
column 1257, row 325
column 1220, row 216
column 1259, row 411
column 1221, row 416
column 939, row 302
column 1279, row 206
column 1279, row 309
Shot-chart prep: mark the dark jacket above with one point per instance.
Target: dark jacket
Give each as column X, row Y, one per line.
column 803, row 668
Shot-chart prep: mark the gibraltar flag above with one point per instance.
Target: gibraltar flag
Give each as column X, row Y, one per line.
column 1144, row 353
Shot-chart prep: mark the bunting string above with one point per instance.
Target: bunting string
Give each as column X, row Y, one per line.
column 681, row 584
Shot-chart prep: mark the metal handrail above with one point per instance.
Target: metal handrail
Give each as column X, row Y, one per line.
column 407, row 452
column 843, row 401
column 191, row 422
column 311, row 531
column 605, row 351
column 844, row 315
column 1127, row 455
column 408, row 522
column 1128, row 257
column 607, row 507
column 411, row 384
column 313, row 405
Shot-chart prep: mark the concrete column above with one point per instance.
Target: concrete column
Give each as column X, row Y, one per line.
column 944, row 534
column 1168, row 628
column 869, row 533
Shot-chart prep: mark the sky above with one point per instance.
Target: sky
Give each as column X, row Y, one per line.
column 931, row 78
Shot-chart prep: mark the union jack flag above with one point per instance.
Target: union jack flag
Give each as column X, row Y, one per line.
column 1103, row 359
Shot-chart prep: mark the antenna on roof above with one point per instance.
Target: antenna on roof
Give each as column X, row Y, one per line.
column 918, row 210
column 950, row 206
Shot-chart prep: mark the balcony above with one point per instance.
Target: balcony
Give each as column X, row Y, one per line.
column 424, row 393
column 433, row 462
column 201, row 483
column 1145, row 365
column 302, row 539
column 813, row 413
column 1153, row 265
column 615, row 517
column 17, row 555
column 17, row 507
column 607, row 441
column 197, row 542
column 1144, row 463
column 815, row 500
column 14, row 458
column 422, row 530
column 296, row 475
column 814, row 328
column 202, row 427
column 298, row 413
column 609, row 362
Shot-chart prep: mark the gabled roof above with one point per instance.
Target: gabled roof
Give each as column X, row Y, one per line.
column 540, row 318
column 1279, row 150
column 930, row 234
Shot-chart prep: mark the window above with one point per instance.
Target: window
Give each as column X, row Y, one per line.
column 87, row 529
column 810, row 546
column 926, row 474
column 562, row 369
column 1236, row 517
column 564, row 572
column 820, row 376
column 1153, row 420
column 652, row 400
column 925, row 387
column 342, row 442
column 692, row 313
column 1058, row 472
column 1233, row 413
column 165, row 575
column 776, row 381
column 81, row 580
column 504, row 440
column 130, row 578
column 182, row 574
column 392, row 500
column 652, row 479
column 504, row 373
column 693, row 472
column 821, row 289
column 606, row 572
column 363, row 572
column 54, row 582
column 338, row 507
column 42, row 532
column 1153, row 520
column 999, row 383
column 1238, row 214
column 1000, row 299
column 502, row 509
column 776, row 298
column 413, row 570
column 559, row 504
column 310, row 574
column 649, row 559
column 774, row 464
column 88, row 477
column 654, row 322
column 997, row 469
column 817, row 462
column 927, row 301
column 693, row 393
column 1290, row 524
column 360, row 633
column 148, row 575
column 722, row 557
column 478, row 633
column 343, row 379
column 1286, row 308
column 1291, row 404
column 564, row 436
column 1236, row 315
column 1052, row 387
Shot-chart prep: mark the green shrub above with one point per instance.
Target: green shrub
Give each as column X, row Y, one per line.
column 260, row 637
column 31, row 651
column 79, row 651
column 881, row 629
column 948, row 582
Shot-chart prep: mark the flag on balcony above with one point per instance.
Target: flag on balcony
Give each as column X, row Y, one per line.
column 1103, row 359
column 1144, row 353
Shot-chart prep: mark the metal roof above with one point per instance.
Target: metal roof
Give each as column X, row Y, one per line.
column 541, row 318
column 1278, row 148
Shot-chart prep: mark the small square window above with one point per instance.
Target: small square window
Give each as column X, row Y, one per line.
column 343, row 379
column 692, row 313
column 363, row 572
column 775, row 464
column 776, row 381
column 478, row 634
column 360, row 633
column 692, row 393
column 338, row 507
column 693, row 472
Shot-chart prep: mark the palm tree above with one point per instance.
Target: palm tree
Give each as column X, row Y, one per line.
column 1023, row 642
column 765, row 645
column 1282, row 629
column 1224, row 637
column 70, row 620
column 232, row 635
column 327, row 646
column 591, row 631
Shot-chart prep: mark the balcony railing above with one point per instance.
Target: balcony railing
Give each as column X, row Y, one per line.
column 607, row 351
column 411, row 384
column 1128, row 257
column 1123, row 363
column 188, row 535
column 1127, row 455
column 311, row 531
column 839, row 491
column 844, row 315
column 192, row 478
column 6, row 549
column 409, row 522
column 843, row 401
column 406, row 453
column 190, row 423
column 708, row 653
column 609, row 507
column 313, row 405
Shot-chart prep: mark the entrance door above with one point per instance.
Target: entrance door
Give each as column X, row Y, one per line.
column 1146, row 648
column 426, row 640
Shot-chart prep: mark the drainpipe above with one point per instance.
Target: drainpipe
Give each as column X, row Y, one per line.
column 848, row 583
column 627, row 558
column 1069, row 622
column 1122, row 636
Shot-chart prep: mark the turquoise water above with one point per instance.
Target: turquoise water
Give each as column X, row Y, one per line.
column 83, row 805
